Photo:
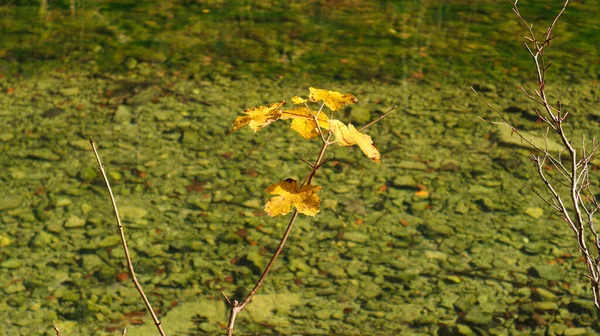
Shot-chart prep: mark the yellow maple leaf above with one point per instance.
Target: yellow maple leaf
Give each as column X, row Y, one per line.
column 304, row 123
column 258, row 117
column 304, row 198
column 332, row 99
column 349, row 136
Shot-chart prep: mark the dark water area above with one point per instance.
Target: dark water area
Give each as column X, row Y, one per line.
column 441, row 238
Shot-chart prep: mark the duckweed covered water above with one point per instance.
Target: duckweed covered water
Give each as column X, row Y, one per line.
column 476, row 254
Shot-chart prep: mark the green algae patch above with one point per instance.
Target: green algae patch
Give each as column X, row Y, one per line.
column 273, row 308
column 181, row 319
column 132, row 212
column 11, row 263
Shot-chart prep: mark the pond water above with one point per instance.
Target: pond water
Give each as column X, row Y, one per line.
column 440, row 238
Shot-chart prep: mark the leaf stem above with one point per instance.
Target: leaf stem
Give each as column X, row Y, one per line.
column 308, row 179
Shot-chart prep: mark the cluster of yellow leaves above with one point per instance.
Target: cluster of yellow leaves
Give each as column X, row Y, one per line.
column 303, row 117
column 309, row 124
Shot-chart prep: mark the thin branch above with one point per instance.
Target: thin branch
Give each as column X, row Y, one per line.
column 157, row 323
column 378, row 119
column 561, row 169
column 306, row 161
column 226, row 298
column 562, row 11
column 504, row 122
column 530, row 188
column 591, row 221
column 316, row 120
column 318, row 162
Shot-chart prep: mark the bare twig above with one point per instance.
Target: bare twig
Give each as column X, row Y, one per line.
column 306, row 161
column 58, row 333
column 226, row 298
column 124, row 243
column 319, row 162
column 571, row 196
column 530, row 188
column 378, row 119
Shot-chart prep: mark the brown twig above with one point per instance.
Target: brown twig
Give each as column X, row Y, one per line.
column 58, row 333
column 124, row 243
column 378, row 119
column 306, row 161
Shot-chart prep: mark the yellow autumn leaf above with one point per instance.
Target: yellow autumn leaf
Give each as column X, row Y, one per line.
column 304, row 198
column 349, row 136
column 306, row 128
column 304, row 123
column 258, row 117
column 422, row 193
column 332, row 99
column 298, row 100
